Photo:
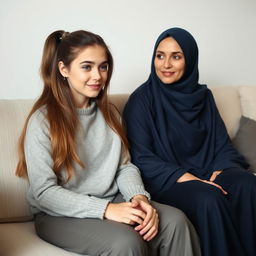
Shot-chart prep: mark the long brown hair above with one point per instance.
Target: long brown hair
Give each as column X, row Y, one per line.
column 59, row 103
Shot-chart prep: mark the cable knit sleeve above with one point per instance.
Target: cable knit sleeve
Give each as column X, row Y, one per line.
column 129, row 181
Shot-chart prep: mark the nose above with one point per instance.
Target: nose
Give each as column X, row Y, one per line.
column 96, row 75
column 167, row 63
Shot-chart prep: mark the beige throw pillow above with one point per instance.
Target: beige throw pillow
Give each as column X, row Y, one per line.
column 248, row 101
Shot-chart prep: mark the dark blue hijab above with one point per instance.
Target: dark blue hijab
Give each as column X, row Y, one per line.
column 182, row 125
column 184, row 122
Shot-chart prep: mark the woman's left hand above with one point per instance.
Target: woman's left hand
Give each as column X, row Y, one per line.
column 149, row 228
column 215, row 174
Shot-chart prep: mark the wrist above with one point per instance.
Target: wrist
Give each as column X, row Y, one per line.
column 140, row 197
column 108, row 207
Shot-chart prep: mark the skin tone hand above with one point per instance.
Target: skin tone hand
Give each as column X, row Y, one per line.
column 139, row 212
column 215, row 174
column 149, row 228
column 127, row 212
column 188, row 176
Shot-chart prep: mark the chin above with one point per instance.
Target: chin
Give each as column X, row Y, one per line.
column 168, row 81
column 92, row 95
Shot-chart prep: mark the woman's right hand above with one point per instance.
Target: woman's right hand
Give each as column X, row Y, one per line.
column 188, row 176
column 216, row 185
column 125, row 213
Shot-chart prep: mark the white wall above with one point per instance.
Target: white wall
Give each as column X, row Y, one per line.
column 224, row 29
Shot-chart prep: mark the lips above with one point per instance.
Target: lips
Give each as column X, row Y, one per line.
column 167, row 73
column 94, row 86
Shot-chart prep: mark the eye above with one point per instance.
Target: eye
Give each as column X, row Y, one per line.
column 159, row 56
column 87, row 67
column 177, row 57
column 104, row 67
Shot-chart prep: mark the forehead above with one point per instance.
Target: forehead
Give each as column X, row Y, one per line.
column 95, row 53
column 169, row 44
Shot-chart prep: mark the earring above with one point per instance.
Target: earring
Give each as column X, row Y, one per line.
column 64, row 78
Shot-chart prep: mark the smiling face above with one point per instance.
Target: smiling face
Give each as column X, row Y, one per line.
column 169, row 61
column 87, row 74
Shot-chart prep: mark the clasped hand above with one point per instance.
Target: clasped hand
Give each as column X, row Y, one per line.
column 138, row 212
column 188, row 176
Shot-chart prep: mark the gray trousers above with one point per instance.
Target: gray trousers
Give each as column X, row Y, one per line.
column 176, row 236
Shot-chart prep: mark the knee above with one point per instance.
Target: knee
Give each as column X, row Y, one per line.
column 130, row 244
column 248, row 183
column 210, row 199
column 179, row 218
column 175, row 221
column 242, row 180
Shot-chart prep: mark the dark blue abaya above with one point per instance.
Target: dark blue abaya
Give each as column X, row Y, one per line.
column 176, row 128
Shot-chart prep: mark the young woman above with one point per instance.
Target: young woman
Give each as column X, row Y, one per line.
column 85, row 194
column 180, row 143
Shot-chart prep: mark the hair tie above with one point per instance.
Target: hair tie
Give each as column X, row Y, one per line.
column 65, row 34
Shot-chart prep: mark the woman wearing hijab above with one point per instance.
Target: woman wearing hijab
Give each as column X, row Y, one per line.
column 180, row 143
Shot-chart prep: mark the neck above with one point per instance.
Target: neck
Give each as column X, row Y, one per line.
column 83, row 104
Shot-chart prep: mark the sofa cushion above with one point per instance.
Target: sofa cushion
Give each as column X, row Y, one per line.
column 248, row 101
column 245, row 141
column 20, row 239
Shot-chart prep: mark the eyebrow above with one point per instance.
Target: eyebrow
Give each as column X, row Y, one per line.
column 92, row 62
column 171, row 52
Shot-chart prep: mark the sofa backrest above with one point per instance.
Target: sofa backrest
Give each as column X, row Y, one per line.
column 13, row 204
column 228, row 103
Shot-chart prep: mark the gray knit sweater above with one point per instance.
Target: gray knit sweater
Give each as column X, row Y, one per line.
column 89, row 191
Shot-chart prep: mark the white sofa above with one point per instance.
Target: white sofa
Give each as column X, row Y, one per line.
column 17, row 234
